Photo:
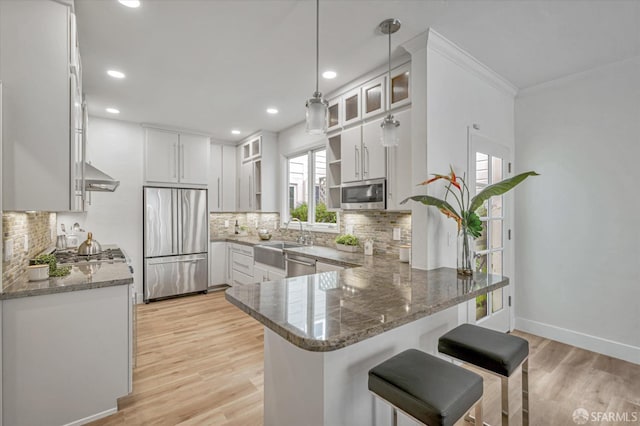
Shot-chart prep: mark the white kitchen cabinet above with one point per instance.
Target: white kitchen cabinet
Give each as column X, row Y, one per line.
column 374, row 99
column 38, row 132
column 222, row 178
column 335, row 121
column 374, row 157
column 218, row 263
column 362, row 155
column 228, row 183
column 194, row 159
column 176, row 158
column 161, row 156
column 215, row 179
column 399, row 183
column 264, row 273
column 245, row 184
column 351, row 154
column 257, row 177
column 241, row 264
column 400, row 86
column 69, row 357
column 351, row 108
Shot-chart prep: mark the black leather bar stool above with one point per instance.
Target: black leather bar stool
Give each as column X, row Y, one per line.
column 497, row 353
column 426, row 388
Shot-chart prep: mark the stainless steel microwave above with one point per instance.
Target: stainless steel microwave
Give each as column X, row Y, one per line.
column 364, row 195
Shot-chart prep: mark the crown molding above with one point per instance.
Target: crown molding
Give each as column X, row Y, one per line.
column 455, row 53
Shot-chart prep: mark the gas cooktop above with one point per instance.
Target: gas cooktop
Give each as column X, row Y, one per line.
column 71, row 257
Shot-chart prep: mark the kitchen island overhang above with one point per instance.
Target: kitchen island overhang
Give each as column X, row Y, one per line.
column 323, row 332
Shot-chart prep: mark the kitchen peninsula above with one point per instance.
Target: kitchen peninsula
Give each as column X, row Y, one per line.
column 323, row 332
column 67, row 345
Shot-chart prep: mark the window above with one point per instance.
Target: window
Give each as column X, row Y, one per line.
column 307, row 183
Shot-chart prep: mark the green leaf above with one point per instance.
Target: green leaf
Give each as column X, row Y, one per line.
column 472, row 223
column 498, row 189
column 432, row 201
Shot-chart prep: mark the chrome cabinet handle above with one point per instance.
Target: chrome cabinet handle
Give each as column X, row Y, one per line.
column 182, row 158
column 357, row 161
column 175, row 161
column 218, row 192
column 301, row 263
column 366, row 162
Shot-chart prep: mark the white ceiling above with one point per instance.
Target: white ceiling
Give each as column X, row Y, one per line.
column 214, row 65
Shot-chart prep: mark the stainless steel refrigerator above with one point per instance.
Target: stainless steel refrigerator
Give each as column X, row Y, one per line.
column 176, row 230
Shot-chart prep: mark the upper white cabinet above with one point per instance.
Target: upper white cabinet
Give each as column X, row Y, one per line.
column 334, row 115
column 222, row 178
column 362, row 155
column 351, row 154
column 258, row 171
column 176, row 158
column 39, row 112
column 374, row 100
column 399, row 184
column 351, row 112
column 399, row 87
column 194, row 159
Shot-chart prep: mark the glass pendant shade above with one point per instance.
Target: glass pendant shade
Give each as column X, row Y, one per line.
column 390, row 135
column 317, row 115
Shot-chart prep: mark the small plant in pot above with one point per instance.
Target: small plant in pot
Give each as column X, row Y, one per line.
column 54, row 269
column 347, row 242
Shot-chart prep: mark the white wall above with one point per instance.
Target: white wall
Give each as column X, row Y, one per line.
column 116, row 147
column 577, row 234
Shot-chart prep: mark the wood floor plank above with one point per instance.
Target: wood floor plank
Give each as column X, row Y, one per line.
column 200, row 362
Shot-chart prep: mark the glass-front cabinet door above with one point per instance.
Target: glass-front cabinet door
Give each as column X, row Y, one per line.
column 334, row 114
column 351, row 107
column 374, row 97
column 399, row 86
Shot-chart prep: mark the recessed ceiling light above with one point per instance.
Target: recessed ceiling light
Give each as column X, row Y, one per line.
column 329, row 75
column 235, row 132
column 130, row 3
column 112, row 111
column 115, row 74
column 272, row 110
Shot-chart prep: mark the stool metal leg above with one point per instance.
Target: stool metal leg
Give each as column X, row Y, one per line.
column 395, row 416
column 505, row 400
column 478, row 419
column 525, row 392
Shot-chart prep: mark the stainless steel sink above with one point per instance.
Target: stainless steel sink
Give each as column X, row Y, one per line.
column 272, row 253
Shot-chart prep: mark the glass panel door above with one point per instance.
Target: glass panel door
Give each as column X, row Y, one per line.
column 488, row 161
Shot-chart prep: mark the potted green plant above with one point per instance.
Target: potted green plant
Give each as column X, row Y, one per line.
column 54, row 269
column 347, row 242
column 469, row 223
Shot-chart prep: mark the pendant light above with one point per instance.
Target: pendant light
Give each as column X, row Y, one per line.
column 317, row 106
column 389, row 125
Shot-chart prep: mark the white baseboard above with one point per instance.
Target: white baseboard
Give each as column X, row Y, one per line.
column 585, row 341
column 93, row 417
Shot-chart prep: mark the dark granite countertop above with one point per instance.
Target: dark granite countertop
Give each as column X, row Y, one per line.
column 82, row 277
column 355, row 304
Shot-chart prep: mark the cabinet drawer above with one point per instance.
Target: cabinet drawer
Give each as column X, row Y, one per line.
column 246, row 250
column 242, row 263
column 241, row 278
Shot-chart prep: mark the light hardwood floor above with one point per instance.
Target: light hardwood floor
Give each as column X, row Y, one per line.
column 200, row 363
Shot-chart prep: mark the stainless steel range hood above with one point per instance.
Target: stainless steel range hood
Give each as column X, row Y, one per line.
column 98, row 181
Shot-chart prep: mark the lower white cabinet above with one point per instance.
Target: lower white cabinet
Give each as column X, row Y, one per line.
column 241, row 264
column 218, row 263
column 66, row 356
column 263, row 273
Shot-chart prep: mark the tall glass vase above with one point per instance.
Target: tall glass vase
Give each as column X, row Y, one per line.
column 465, row 252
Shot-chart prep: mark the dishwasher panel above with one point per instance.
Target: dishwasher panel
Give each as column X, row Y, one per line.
column 300, row 265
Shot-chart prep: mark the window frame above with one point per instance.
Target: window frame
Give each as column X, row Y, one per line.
column 310, row 225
